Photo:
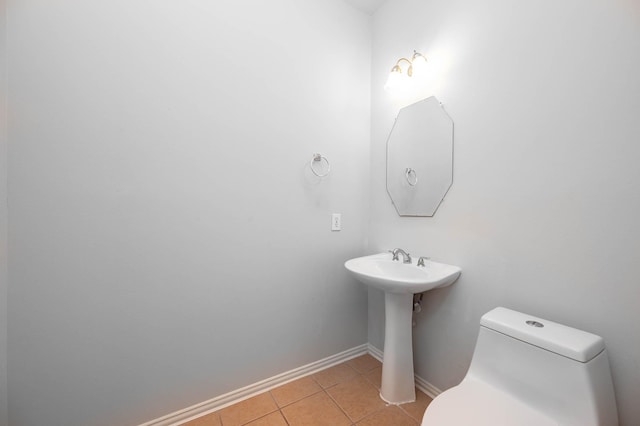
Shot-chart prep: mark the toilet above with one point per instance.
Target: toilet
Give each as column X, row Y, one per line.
column 527, row 371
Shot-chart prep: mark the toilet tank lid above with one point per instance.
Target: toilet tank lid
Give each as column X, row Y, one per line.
column 561, row 339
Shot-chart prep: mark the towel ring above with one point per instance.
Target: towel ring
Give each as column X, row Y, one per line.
column 411, row 176
column 318, row 159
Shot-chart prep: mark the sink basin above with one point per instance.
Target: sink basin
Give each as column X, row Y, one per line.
column 399, row 281
column 393, row 276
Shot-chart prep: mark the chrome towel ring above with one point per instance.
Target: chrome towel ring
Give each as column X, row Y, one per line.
column 316, row 165
column 411, row 176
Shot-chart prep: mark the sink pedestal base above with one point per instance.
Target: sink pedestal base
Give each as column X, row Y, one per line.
column 398, row 383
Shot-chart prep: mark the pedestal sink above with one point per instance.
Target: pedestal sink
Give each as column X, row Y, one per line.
column 399, row 281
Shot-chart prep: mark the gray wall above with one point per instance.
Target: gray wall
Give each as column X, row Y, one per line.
column 543, row 213
column 169, row 243
column 3, row 216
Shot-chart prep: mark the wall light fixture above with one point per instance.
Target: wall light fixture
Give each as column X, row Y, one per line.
column 404, row 69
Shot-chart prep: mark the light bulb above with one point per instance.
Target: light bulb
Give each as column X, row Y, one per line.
column 419, row 63
column 394, row 81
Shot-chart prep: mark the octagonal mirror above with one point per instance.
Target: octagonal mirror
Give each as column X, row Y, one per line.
column 420, row 158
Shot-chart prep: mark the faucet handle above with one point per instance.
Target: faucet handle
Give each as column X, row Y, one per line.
column 422, row 259
column 394, row 252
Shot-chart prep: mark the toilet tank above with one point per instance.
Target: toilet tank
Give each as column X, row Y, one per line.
column 558, row 370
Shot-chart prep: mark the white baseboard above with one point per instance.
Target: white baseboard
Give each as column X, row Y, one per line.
column 375, row 352
column 421, row 383
column 427, row 387
column 246, row 392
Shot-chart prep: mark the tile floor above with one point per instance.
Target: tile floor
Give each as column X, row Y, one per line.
column 344, row 395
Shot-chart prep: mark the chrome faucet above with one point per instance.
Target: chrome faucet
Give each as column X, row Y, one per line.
column 406, row 257
column 422, row 259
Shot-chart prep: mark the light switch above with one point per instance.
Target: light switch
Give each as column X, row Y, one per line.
column 336, row 222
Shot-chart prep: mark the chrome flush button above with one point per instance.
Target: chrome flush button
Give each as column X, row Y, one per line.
column 535, row 324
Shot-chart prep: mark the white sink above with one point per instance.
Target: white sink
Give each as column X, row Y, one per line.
column 393, row 276
column 399, row 281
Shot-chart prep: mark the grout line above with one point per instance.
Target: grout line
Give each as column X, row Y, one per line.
column 409, row 414
column 335, row 384
column 299, row 399
column 318, row 383
column 257, row 418
column 406, row 412
column 340, row 408
column 280, row 407
column 336, row 402
column 285, row 418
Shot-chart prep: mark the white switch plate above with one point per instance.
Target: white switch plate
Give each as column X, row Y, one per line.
column 336, row 222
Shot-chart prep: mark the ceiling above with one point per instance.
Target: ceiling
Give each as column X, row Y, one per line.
column 366, row 6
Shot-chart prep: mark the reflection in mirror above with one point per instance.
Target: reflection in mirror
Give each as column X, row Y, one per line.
column 420, row 158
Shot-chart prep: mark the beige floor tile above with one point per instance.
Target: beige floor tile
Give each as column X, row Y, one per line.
column 273, row 419
column 294, row 391
column 374, row 377
column 390, row 415
column 357, row 397
column 212, row 419
column 364, row 363
column 315, row 410
column 334, row 375
column 416, row 409
column 248, row 410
